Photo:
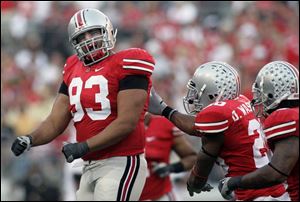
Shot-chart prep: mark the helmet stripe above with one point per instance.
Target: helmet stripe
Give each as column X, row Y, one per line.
column 82, row 17
column 75, row 18
column 79, row 19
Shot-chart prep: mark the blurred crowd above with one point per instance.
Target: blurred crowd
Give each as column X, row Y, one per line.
column 180, row 36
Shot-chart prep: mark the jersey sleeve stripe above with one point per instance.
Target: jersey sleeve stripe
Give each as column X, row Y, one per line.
column 212, row 124
column 138, row 61
column 281, row 133
column 138, row 68
column 213, row 131
column 280, row 126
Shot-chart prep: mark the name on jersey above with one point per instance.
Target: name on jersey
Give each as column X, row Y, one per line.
column 244, row 108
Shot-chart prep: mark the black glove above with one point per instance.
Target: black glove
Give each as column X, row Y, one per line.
column 20, row 144
column 228, row 185
column 74, row 151
column 163, row 169
column 207, row 187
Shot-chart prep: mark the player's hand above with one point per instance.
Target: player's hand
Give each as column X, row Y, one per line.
column 197, row 184
column 158, row 107
column 225, row 190
column 156, row 103
column 21, row 144
column 74, row 151
column 161, row 169
column 192, row 189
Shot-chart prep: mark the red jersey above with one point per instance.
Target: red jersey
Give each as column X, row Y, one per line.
column 244, row 149
column 281, row 124
column 159, row 140
column 93, row 95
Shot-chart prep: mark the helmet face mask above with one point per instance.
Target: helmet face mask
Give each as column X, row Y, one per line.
column 98, row 25
column 275, row 82
column 191, row 101
column 212, row 82
column 258, row 101
column 93, row 48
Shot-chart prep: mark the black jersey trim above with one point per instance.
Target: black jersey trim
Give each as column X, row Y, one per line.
column 134, row 82
column 63, row 89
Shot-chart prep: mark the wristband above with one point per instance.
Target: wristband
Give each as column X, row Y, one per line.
column 83, row 148
column 176, row 167
column 168, row 112
column 30, row 138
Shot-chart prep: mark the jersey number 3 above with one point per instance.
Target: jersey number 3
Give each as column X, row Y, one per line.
column 100, row 97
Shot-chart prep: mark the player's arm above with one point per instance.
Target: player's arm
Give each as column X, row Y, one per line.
column 130, row 106
column 187, row 156
column 285, row 156
column 184, row 122
column 55, row 123
column 185, row 151
column 49, row 129
column 211, row 146
column 130, row 103
column 159, row 107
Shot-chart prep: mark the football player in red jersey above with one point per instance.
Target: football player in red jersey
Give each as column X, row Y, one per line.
column 276, row 98
column 106, row 94
column 161, row 138
column 230, row 133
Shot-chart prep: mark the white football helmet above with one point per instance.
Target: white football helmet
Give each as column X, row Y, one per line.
column 275, row 82
column 97, row 48
column 212, row 82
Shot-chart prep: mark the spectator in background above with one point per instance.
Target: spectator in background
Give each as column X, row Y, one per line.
column 276, row 98
column 162, row 137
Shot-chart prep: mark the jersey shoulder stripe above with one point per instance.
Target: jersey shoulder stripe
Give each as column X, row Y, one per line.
column 213, row 131
column 212, row 124
column 280, row 133
column 282, row 123
column 137, row 60
column 280, row 126
column 280, row 129
column 138, row 65
column 212, row 119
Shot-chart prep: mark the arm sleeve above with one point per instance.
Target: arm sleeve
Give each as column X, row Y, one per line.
column 134, row 82
column 63, row 89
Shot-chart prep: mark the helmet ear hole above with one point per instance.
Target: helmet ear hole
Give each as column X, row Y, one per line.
column 270, row 95
column 211, row 97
